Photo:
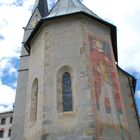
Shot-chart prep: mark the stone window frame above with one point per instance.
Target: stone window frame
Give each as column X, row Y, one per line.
column 34, row 101
column 60, row 73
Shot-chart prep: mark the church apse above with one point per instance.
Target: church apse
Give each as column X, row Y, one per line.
column 111, row 118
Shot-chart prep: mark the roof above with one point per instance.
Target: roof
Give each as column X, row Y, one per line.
column 6, row 113
column 130, row 76
column 64, row 7
column 42, row 6
column 72, row 7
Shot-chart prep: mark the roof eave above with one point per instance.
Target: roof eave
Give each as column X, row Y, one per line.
column 134, row 80
column 113, row 29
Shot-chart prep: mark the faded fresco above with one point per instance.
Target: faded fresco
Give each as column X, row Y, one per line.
column 111, row 120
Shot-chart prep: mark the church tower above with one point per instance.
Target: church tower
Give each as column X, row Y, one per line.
column 69, row 87
column 39, row 11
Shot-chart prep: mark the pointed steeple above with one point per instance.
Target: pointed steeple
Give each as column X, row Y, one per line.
column 65, row 7
column 42, row 6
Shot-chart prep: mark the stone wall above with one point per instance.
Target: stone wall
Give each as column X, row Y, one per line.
column 128, row 95
column 63, row 44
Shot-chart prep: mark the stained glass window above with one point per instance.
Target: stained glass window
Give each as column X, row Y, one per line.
column 67, row 92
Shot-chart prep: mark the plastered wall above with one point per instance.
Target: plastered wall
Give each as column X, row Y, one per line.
column 69, row 42
column 126, row 83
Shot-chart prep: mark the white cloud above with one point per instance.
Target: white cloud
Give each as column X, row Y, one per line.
column 6, row 94
column 7, row 97
column 2, row 108
column 6, row 108
column 12, row 20
column 6, row 65
column 12, row 70
column 138, row 94
column 123, row 14
column 14, row 84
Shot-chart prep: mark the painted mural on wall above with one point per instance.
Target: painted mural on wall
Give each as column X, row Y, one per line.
column 110, row 118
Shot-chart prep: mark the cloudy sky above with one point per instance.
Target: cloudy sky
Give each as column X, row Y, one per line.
column 14, row 14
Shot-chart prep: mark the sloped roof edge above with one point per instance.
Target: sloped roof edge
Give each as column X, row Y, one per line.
column 113, row 29
column 126, row 73
column 42, row 6
column 129, row 75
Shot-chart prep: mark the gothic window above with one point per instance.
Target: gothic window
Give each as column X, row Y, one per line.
column 34, row 99
column 64, row 89
column 67, row 92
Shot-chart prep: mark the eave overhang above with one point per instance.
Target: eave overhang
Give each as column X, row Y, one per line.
column 132, row 84
column 134, row 81
column 44, row 20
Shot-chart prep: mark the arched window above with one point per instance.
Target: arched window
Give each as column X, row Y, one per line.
column 34, row 99
column 65, row 89
column 67, row 92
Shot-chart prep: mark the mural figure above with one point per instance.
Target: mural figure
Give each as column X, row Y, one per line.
column 107, row 92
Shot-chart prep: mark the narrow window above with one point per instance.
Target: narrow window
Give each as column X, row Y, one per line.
column 1, row 133
column 34, row 99
column 67, row 92
column 11, row 119
column 3, row 120
column 9, row 133
column 65, row 89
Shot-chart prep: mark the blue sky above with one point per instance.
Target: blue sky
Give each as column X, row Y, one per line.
column 16, row 13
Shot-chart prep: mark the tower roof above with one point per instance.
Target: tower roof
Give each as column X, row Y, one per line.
column 42, row 6
column 65, row 8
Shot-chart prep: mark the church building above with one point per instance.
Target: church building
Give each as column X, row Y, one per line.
column 70, row 86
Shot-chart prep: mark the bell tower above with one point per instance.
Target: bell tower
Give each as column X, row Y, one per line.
column 39, row 11
column 68, row 84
